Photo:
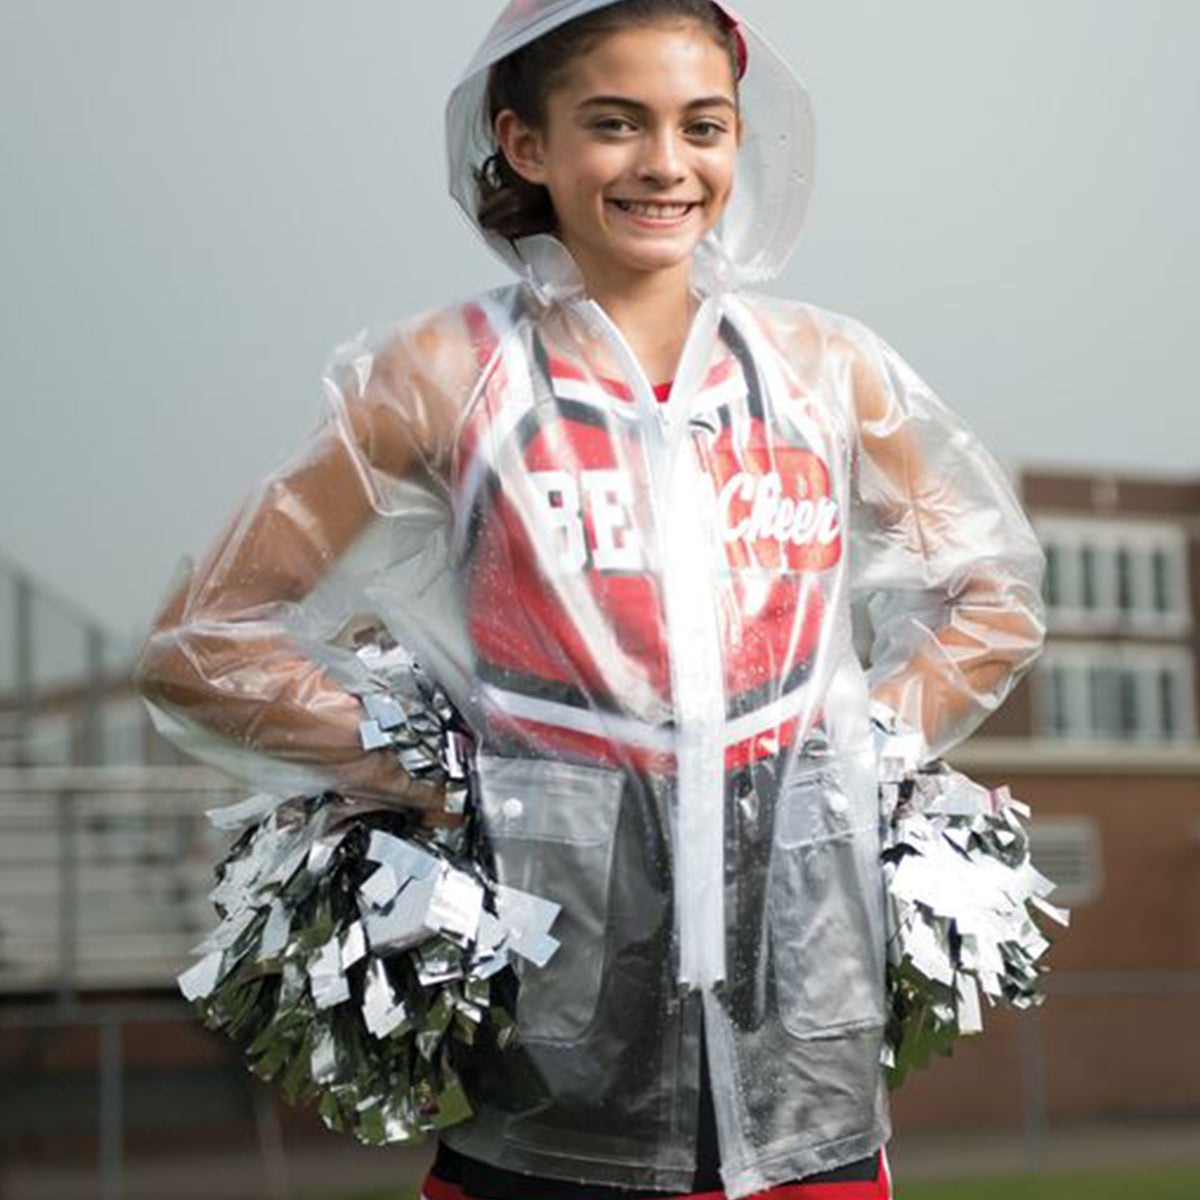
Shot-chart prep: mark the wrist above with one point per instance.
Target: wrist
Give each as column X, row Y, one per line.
column 899, row 748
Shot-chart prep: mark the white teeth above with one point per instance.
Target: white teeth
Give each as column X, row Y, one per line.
column 663, row 212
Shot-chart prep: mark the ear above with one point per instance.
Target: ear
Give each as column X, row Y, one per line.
column 522, row 145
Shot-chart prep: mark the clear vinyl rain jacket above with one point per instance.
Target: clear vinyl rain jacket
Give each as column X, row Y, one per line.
column 648, row 612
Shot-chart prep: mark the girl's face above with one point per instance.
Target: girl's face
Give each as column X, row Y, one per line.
column 638, row 149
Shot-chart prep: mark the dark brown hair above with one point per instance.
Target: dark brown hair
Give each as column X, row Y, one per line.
column 510, row 205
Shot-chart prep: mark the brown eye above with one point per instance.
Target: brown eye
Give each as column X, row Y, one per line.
column 614, row 125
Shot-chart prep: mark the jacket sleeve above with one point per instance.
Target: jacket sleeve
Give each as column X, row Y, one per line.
column 227, row 670
column 944, row 563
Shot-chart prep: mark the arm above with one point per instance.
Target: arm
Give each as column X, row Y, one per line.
column 943, row 559
column 221, row 670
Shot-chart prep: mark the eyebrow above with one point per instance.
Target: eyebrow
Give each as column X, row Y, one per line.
column 637, row 106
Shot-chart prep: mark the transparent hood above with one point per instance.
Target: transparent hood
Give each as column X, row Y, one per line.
column 762, row 225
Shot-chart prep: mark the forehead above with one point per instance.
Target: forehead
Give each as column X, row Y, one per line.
column 660, row 63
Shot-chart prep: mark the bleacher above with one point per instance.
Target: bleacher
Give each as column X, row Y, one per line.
column 106, row 862
column 104, row 875
column 105, row 856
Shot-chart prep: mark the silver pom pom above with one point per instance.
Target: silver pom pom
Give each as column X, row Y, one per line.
column 962, row 893
column 357, row 952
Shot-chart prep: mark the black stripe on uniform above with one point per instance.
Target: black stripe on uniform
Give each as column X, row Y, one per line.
column 740, row 351
column 766, row 693
column 556, row 690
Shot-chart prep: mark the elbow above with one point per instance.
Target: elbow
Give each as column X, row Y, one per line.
column 1008, row 615
column 161, row 664
column 1027, row 628
column 1016, row 638
column 1037, row 639
column 993, row 638
column 159, row 671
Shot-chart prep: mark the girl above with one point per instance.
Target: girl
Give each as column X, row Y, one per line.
column 635, row 520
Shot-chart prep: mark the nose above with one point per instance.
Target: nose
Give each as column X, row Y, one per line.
column 659, row 162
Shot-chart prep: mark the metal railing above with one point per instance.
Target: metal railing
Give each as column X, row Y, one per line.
column 104, row 875
column 109, row 1021
column 58, row 666
column 84, row 852
column 1061, row 986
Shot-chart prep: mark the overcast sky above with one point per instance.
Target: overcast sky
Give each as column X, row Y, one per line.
column 200, row 199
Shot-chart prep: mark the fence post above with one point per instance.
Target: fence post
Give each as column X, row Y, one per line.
column 23, row 656
column 92, row 747
column 270, row 1143
column 1033, row 1080
column 112, row 1109
column 68, row 897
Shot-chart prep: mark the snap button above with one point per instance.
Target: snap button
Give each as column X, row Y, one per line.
column 513, row 809
column 837, row 802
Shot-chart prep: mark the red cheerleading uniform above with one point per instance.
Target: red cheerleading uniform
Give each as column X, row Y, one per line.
column 531, row 645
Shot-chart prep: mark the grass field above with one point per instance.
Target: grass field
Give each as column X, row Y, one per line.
column 1180, row 1183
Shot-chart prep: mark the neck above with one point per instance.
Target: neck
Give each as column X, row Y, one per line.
column 652, row 309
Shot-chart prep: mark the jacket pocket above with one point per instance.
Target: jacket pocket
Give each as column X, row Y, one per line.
column 551, row 826
column 826, row 904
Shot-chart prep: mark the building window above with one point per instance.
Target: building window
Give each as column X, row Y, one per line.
column 1162, row 580
column 1125, row 579
column 1087, row 563
column 1067, row 851
column 1115, row 575
column 1058, row 711
column 1168, row 701
column 1103, row 692
column 1114, row 692
column 1053, row 587
column 1132, row 720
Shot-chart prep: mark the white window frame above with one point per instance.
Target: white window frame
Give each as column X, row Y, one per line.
column 1077, row 660
column 1069, row 536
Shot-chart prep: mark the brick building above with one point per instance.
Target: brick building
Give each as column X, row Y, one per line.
column 1101, row 739
column 1122, row 588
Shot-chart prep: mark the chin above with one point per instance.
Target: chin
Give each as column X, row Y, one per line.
column 660, row 258
column 662, row 263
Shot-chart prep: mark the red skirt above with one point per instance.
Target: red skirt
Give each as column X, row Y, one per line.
column 455, row 1177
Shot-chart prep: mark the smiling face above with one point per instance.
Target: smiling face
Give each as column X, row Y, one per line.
column 637, row 150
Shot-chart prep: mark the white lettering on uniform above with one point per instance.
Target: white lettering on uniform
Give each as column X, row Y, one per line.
column 830, row 529
column 783, row 519
column 765, row 503
column 740, row 487
column 559, row 494
column 609, row 498
column 773, row 515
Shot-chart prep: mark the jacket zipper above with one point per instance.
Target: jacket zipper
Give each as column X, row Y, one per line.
column 678, row 496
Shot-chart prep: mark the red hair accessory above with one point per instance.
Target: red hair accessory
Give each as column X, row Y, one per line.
column 734, row 25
